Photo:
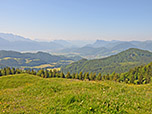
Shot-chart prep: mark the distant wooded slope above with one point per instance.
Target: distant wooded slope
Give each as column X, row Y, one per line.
column 119, row 63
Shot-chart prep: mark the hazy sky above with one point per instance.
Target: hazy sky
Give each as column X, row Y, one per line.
column 77, row 19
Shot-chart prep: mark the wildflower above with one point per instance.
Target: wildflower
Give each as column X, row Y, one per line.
column 90, row 108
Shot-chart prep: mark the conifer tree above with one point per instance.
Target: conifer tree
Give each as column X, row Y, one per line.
column 83, row 76
column 33, row 72
column 76, row 76
column 46, row 74
column 147, row 77
column 112, row 76
column 73, row 76
column 87, row 76
column 8, row 71
column 91, row 76
column 58, row 75
column 140, row 79
column 94, row 76
column 54, row 73
column 103, row 77
column 13, row 71
column 40, row 72
column 50, row 74
column 62, row 75
column 42, row 75
column 115, row 78
column 107, row 77
column 0, row 73
column 28, row 71
column 4, row 71
column 68, row 75
column 126, row 80
column 132, row 79
column 80, row 76
column 99, row 77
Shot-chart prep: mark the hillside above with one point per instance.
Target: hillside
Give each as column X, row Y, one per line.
column 17, row 59
column 119, row 63
column 25, row 93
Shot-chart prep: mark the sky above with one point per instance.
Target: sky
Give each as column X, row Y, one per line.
column 77, row 19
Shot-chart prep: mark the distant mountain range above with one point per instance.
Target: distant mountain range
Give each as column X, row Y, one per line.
column 101, row 48
column 86, row 49
column 19, row 43
column 119, row 63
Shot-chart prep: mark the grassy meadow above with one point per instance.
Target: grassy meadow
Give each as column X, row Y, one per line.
column 24, row 93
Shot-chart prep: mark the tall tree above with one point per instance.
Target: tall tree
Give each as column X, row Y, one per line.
column 13, row 71
column 68, row 75
column 140, row 79
column 116, row 77
column 80, row 76
column 91, row 76
column 107, row 77
column 46, row 74
column 8, row 71
column 73, row 76
column 87, row 76
column 62, row 75
column 76, row 76
column 99, row 76
column 0, row 73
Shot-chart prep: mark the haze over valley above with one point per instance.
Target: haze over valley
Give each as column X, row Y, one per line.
column 85, row 48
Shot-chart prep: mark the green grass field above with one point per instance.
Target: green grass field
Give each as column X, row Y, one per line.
column 30, row 94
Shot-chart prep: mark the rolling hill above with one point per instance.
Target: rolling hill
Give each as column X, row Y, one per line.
column 17, row 59
column 119, row 63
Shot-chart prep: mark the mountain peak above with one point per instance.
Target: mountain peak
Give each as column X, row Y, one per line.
column 11, row 37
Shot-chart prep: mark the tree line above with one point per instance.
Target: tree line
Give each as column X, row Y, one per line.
column 138, row 75
column 10, row 71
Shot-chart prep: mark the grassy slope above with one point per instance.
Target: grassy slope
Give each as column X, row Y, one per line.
column 25, row 93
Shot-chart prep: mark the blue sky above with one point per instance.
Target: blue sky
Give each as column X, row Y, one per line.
column 77, row 19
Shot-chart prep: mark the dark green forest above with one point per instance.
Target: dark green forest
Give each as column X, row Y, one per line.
column 137, row 75
column 118, row 63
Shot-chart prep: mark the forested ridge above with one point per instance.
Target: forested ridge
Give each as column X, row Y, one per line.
column 118, row 63
column 17, row 59
column 137, row 75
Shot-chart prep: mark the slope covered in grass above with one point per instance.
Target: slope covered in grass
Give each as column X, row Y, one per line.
column 25, row 93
